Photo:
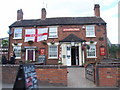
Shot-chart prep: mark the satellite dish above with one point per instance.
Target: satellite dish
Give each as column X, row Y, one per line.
column 9, row 32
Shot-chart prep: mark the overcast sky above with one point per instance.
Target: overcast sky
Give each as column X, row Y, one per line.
column 59, row 8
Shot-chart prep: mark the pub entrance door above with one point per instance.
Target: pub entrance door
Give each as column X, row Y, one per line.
column 75, row 55
column 30, row 54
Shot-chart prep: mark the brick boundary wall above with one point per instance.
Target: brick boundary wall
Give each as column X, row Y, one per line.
column 107, row 75
column 46, row 74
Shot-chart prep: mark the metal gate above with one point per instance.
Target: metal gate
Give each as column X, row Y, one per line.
column 90, row 72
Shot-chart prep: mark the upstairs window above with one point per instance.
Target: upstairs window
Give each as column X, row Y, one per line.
column 90, row 31
column 18, row 33
column 53, row 32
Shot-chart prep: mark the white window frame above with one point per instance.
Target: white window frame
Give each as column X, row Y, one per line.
column 49, row 52
column 53, row 32
column 88, row 33
column 91, row 45
column 18, row 33
column 19, row 45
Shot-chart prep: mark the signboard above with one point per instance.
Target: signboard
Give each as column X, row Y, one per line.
column 71, row 29
column 30, row 47
column 42, row 59
column 42, row 51
column 102, row 51
column 26, row 78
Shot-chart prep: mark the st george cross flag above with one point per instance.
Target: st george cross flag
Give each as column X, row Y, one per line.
column 29, row 35
column 42, row 34
column 36, row 35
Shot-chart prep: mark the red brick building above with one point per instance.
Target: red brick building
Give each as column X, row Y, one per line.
column 66, row 40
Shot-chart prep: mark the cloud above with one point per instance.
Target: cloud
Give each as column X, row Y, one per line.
column 110, row 16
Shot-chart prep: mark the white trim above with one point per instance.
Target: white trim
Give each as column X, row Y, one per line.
column 27, row 54
column 17, row 38
column 17, row 57
column 53, row 37
column 80, row 55
column 83, row 56
column 92, row 43
column 68, row 53
column 56, row 43
column 91, row 36
column 92, row 57
column 53, row 57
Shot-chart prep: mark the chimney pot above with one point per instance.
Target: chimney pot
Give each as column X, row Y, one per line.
column 97, row 10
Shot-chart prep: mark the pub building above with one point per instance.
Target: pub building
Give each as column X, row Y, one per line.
column 60, row 40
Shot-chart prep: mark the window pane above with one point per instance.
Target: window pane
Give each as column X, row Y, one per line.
column 18, row 33
column 53, row 51
column 92, row 51
column 53, row 32
column 17, row 51
column 90, row 31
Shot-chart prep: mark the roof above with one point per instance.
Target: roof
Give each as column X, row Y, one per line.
column 58, row 21
column 71, row 38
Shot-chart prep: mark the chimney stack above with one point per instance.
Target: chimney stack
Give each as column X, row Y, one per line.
column 97, row 10
column 43, row 14
column 20, row 14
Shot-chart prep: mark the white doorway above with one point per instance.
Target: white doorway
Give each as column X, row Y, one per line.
column 30, row 54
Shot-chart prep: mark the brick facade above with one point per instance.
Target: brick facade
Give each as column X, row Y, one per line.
column 61, row 23
column 62, row 35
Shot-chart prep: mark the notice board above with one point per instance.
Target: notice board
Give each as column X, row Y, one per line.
column 42, row 59
column 26, row 78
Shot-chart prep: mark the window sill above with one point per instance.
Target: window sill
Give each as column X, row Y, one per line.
column 52, row 37
column 52, row 58
column 17, row 38
column 91, row 57
column 18, row 58
column 91, row 36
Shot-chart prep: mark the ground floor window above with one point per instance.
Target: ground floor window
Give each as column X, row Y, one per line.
column 53, row 51
column 91, row 53
column 17, row 51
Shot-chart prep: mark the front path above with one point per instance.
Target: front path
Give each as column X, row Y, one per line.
column 76, row 78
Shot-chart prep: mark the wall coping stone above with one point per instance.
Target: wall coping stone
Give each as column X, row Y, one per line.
column 38, row 66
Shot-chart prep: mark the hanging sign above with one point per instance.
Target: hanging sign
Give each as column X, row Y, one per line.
column 102, row 51
column 71, row 29
column 26, row 78
column 42, row 51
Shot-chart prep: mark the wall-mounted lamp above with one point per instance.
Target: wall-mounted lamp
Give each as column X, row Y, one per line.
column 72, row 43
column 9, row 32
column 83, row 27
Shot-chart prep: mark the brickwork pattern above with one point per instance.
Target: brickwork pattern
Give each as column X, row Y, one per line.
column 108, row 77
column 100, row 31
column 46, row 74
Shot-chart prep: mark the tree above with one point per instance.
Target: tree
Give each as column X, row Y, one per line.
column 113, row 50
column 4, row 43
